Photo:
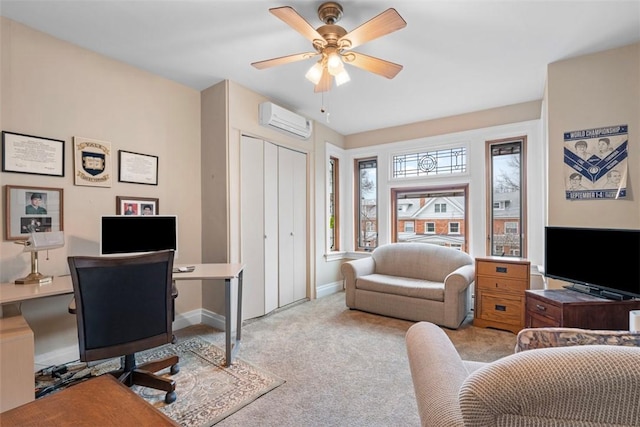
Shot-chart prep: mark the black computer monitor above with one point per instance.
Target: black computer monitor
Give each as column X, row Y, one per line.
column 126, row 235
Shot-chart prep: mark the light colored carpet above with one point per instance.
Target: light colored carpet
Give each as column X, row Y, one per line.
column 342, row 367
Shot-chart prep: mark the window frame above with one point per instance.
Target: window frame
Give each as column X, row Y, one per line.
column 489, row 145
column 368, row 223
column 333, row 204
column 432, row 190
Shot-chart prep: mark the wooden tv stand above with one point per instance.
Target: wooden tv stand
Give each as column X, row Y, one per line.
column 571, row 309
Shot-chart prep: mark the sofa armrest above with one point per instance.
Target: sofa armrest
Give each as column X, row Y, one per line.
column 351, row 270
column 460, row 278
column 437, row 372
column 532, row 338
column 568, row 386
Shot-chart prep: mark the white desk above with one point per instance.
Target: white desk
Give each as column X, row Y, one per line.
column 12, row 293
column 226, row 272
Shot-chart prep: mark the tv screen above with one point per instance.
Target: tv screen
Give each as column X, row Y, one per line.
column 604, row 261
column 123, row 234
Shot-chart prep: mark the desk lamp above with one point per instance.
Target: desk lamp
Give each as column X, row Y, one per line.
column 37, row 242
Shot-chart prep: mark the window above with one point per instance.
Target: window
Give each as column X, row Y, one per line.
column 438, row 162
column 334, row 223
column 506, row 196
column 423, row 222
column 511, row 228
column 429, row 227
column 367, row 210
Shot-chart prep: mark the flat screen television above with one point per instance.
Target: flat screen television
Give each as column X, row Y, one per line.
column 128, row 234
column 598, row 261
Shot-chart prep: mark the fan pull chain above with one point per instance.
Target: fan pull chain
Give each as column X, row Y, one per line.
column 324, row 109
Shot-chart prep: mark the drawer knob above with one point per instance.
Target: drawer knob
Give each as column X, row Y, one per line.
column 501, row 307
column 541, row 307
column 501, row 269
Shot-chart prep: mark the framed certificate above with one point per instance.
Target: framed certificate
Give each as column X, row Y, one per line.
column 137, row 168
column 32, row 154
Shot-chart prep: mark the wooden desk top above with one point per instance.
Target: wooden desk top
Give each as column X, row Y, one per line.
column 10, row 292
column 100, row 401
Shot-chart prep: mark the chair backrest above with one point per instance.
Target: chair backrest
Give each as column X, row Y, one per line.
column 419, row 260
column 123, row 304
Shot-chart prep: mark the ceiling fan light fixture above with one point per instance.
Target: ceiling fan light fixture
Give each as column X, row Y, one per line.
column 333, row 44
column 315, row 73
column 342, row 77
column 334, row 64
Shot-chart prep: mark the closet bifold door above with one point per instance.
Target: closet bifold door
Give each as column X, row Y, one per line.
column 253, row 234
column 273, row 210
column 292, row 216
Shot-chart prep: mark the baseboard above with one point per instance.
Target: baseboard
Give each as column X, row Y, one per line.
column 328, row 289
column 213, row 319
column 58, row 357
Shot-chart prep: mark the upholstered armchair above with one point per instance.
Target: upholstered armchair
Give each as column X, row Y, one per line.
column 592, row 380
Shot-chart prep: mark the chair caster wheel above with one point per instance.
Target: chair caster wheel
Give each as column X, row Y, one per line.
column 170, row 397
column 175, row 369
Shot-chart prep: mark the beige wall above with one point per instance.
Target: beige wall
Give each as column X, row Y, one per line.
column 447, row 125
column 587, row 92
column 54, row 89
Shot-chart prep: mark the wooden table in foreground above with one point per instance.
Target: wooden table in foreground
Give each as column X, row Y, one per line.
column 100, row 401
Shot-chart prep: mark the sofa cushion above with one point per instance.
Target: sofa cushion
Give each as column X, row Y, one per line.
column 404, row 286
column 418, row 260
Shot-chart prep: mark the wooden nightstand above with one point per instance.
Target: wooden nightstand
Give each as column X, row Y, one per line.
column 499, row 292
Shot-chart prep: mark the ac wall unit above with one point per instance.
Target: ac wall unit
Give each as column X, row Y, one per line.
column 280, row 119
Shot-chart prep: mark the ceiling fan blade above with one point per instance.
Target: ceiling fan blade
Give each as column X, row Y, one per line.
column 325, row 82
column 375, row 65
column 261, row 65
column 378, row 26
column 298, row 23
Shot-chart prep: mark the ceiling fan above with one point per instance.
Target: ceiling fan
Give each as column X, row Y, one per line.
column 333, row 43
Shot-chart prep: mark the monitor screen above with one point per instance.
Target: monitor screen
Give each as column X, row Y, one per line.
column 607, row 259
column 124, row 234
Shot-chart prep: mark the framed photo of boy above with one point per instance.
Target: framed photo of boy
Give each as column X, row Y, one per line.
column 136, row 206
column 32, row 210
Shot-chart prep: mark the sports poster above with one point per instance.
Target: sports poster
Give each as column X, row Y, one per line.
column 595, row 163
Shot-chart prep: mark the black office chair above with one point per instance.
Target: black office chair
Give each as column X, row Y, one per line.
column 123, row 306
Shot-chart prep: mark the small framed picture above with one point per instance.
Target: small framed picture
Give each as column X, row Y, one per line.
column 32, row 154
column 92, row 162
column 136, row 206
column 32, row 210
column 137, row 168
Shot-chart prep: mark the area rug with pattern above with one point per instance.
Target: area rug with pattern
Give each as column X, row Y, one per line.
column 207, row 391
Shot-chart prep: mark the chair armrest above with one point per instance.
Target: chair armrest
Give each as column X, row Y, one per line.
column 437, row 372
column 351, row 270
column 532, row 338
column 568, row 386
column 461, row 278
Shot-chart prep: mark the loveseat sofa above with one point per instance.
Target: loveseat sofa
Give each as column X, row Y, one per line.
column 412, row 281
column 592, row 380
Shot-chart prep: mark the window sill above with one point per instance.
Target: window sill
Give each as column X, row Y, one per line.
column 334, row 256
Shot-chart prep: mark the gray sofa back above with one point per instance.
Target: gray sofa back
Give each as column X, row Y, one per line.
column 418, row 260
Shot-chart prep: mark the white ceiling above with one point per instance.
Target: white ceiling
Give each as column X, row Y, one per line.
column 458, row 56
